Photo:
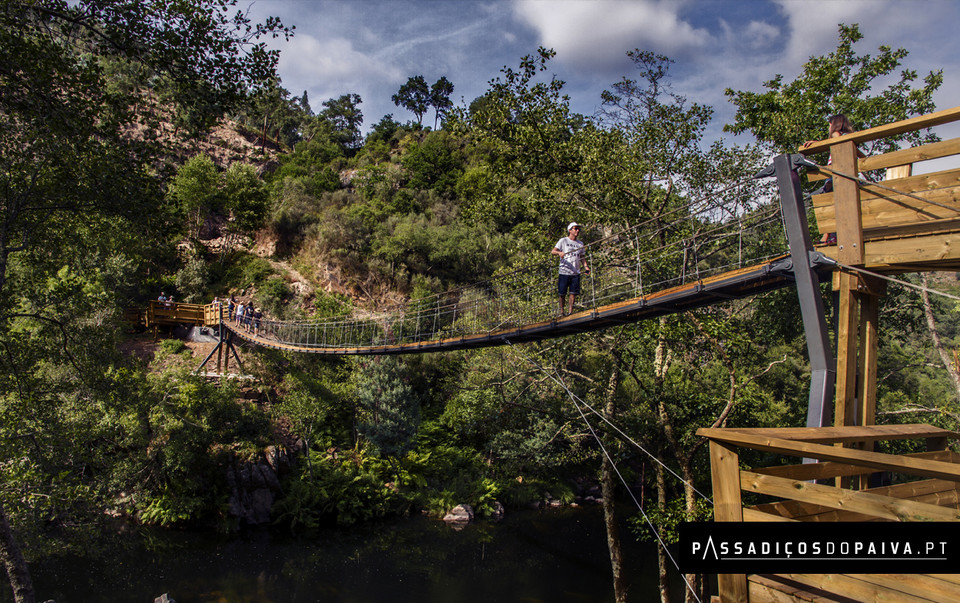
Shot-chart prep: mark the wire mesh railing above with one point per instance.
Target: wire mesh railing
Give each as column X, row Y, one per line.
column 634, row 263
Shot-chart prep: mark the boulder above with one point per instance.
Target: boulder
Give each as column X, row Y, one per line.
column 461, row 514
column 253, row 489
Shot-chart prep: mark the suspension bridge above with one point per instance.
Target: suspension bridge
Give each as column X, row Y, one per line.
column 745, row 239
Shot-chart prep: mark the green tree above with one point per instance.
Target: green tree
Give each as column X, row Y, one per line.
column 414, row 96
column 435, row 163
column 246, row 198
column 345, row 119
column 196, row 191
column 305, row 104
column 440, row 93
column 274, row 115
column 527, row 133
column 863, row 87
column 80, row 196
column 389, row 406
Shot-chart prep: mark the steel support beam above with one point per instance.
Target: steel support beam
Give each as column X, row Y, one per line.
column 822, row 363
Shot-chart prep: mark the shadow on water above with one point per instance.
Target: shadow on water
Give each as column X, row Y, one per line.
column 554, row 555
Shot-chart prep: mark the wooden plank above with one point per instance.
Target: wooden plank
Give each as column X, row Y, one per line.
column 898, row 127
column 859, row 587
column 916, row 490
column 727, row 506
column 944, row 226
column 875, row 460
column 874, row 505
column 935, row 150
column 869, row 320
column 754, row 514
column 939, row 493
column 915, row 585
column 894, row 256
column 815, row 471
column 881, row 205
column 933, row 248
column 883, row 208
column 773, row 589
column 832, row 435
column 898, row 171
column 795, row 510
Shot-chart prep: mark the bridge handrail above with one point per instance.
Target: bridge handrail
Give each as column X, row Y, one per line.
column 885, row 131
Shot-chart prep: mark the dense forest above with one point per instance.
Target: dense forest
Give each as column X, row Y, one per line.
column 150, row 146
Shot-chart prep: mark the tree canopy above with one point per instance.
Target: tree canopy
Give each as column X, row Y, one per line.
column 861, row 86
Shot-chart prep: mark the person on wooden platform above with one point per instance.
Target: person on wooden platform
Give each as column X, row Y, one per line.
column 838, row 125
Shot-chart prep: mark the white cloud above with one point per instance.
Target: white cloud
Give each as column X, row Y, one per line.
column 330, row 67
column 593, row 33
column 759, row 34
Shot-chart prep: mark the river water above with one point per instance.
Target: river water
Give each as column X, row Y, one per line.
column 557, row 555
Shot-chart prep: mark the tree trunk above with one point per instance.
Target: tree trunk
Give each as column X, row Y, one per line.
column 13, row 561
column 696, row 583
column 935, row 335
column 608, row 491
column 663, row 562
column 608, row 488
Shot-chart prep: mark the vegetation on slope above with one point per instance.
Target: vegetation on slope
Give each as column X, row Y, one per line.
column 100, row 213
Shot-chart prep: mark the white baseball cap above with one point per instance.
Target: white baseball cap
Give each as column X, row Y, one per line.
column 572, row 225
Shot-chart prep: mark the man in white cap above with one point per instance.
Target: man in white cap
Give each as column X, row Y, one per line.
column 572, row 259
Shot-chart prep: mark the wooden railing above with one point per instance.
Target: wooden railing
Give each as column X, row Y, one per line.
column 179, row 313
column 800, row 495
column 878, row 225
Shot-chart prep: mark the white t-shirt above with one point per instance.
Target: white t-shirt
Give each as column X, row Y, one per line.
column 570, row 262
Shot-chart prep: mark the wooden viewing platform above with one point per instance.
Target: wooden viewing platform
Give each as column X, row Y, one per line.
column 904, row 223
column 930, row 492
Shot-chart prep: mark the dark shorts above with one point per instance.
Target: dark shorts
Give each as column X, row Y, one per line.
column 569, row 282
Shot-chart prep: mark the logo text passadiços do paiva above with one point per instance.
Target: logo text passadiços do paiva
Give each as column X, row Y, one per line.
column 839, row 547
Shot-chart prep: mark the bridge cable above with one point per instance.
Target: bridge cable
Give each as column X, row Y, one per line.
column 614, row 427
column 891, row 279
column 574, row 398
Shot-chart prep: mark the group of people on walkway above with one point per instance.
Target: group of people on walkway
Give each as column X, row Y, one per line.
column 245, row 315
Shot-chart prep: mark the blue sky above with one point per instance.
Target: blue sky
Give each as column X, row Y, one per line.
column 371, row 47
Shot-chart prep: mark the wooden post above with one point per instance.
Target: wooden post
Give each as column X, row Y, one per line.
column 846, row 200
column 845, row 410
column 727, row 506
column 900, row 171
column 869, row 319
